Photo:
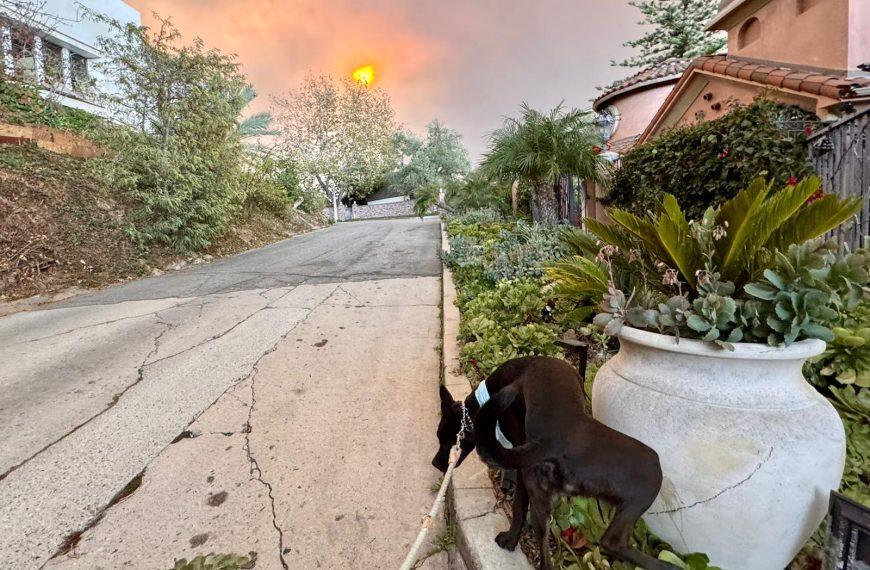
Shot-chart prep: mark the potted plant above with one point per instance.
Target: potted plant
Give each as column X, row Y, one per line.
column 715, row 319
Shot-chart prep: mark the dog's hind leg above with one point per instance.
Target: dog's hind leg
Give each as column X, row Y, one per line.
column 511, row 537
column 541, row 507
column 616, row 539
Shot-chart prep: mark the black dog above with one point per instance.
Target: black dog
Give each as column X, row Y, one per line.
column 536, row 405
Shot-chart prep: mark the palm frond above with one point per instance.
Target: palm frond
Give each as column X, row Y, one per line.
column 578, row 278
column 675, row 237
column 256, row 125
column 814, row 220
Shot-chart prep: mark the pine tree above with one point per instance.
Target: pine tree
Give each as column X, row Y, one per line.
column 678, row 31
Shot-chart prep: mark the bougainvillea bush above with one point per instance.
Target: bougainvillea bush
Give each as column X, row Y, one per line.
column 707, row 163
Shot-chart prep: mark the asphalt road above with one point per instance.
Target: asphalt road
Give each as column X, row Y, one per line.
column 278, row 401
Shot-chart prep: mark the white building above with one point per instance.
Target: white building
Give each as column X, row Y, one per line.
column 59, row 51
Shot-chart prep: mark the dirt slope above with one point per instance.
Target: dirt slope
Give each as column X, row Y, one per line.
column 61, row 228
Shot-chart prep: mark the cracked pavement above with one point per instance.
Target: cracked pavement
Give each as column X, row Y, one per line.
column 282, row 401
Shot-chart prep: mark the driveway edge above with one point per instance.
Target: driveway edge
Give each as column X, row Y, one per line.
column 474, row 512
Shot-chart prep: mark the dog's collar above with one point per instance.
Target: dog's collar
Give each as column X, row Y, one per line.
column 482, row 396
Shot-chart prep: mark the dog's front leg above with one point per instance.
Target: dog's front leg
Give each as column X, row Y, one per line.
column 511, row 537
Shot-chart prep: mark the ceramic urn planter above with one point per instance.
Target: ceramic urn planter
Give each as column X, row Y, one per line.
column 749, row 450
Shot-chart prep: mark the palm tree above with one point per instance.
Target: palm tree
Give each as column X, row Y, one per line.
column 538, row 147
column 258, row 124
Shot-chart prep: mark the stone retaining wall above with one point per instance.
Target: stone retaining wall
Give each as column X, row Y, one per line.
column 370, row 211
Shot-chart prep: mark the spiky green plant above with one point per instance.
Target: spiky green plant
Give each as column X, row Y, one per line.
column 537, row 147
column 745, row 230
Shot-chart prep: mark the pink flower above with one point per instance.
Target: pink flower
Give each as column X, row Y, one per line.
column 671, row 277
column 792, row 181
column 724, row 153
column 808, row 130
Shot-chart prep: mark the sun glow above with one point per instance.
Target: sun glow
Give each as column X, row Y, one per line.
column 364, row 75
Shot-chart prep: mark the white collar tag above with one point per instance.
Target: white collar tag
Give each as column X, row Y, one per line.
column 482, row 397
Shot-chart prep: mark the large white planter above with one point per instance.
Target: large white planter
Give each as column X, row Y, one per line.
column 749, row 450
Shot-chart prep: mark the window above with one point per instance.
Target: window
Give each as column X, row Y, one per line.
column 79, row 73
column 52, row 63
column 749, row 32
column 23, row 55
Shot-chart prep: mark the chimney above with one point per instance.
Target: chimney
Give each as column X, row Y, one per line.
column 826, row 36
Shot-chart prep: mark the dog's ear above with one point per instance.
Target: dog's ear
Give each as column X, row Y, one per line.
column 446, row 400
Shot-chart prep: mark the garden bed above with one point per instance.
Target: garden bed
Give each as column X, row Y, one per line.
column 509, row 308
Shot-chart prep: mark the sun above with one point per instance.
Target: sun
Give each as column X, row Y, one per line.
column 364, row 75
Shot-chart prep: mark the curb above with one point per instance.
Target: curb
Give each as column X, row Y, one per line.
column 474, row 511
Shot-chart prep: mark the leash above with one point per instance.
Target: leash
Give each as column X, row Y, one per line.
column 455, row 452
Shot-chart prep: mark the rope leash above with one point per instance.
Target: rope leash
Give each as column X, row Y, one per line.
column 455, row 452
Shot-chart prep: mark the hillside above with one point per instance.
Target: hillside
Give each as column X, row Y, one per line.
column 61, row 228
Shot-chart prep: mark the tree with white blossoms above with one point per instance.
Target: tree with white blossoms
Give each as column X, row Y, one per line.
column 339, row 134
column 677, row 28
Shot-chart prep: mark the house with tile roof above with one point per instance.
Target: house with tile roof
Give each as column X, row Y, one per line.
column 626, row 109
column 810, row 53
column 814, row 54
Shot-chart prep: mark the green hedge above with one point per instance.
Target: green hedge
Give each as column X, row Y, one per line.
column 709, row 162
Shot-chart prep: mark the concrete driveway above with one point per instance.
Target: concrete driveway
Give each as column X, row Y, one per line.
column 281, row 402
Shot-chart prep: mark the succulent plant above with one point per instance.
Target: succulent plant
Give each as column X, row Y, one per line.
column 847, row 359
column 616, row 310
column 673, row 314
column 715, row 316
column 805, row 291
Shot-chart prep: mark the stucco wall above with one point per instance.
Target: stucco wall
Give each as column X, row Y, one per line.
column 820, row 37
column 637, row 109
column 723, row 92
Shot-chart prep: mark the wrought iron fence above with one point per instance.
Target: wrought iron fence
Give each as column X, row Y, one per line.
column 840, row 154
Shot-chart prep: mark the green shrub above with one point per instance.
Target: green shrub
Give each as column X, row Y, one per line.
column 841, row 374
column 268, row 196
column 478, row 216
column 847, row 358
column 854, row 409
column 706, row 163
column 524, row 251
column 181, row 158
column 503, row 323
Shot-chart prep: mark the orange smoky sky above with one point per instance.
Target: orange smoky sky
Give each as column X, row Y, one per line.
column 468, row 63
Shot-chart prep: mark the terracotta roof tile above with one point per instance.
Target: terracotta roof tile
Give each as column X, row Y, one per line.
column 745, row 72
column 671, row 68
column 830, row 91
column 782, row 77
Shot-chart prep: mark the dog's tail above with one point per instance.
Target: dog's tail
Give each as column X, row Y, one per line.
column 488, row 447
